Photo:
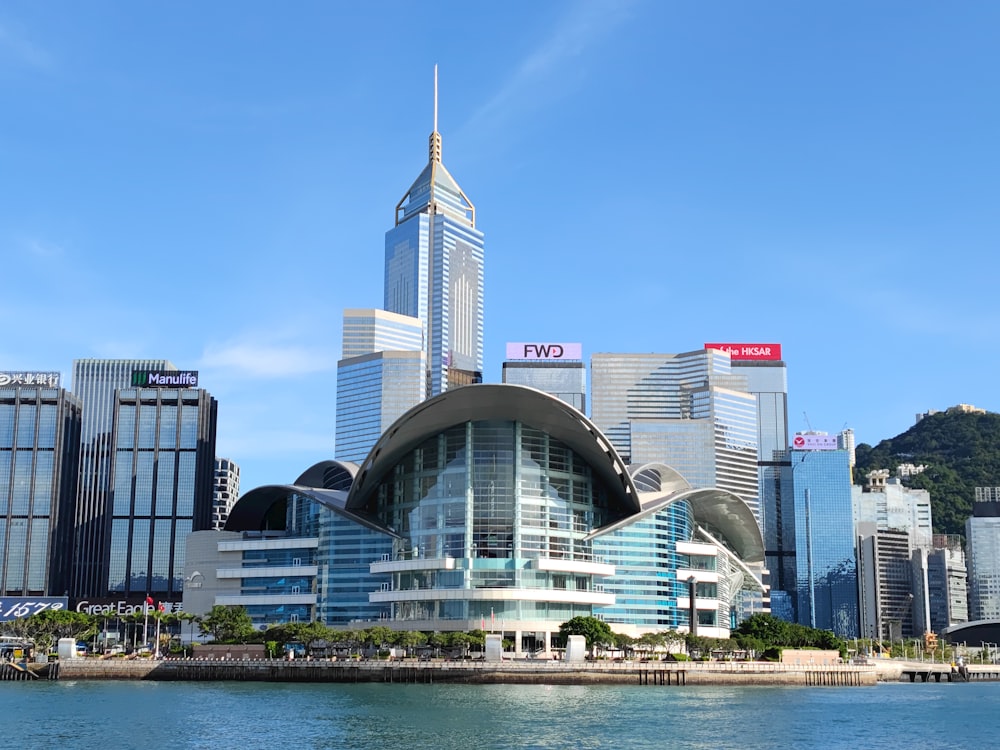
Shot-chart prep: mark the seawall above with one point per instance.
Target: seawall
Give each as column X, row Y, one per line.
column 474, row 672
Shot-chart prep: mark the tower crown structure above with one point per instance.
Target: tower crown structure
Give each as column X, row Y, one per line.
column 435, row 190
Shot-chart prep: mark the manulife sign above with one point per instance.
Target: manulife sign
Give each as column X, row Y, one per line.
column 164, row 378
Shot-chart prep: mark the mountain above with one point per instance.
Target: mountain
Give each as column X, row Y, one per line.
column 961, row 452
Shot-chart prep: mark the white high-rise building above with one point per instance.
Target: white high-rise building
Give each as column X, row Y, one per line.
column 227, row 491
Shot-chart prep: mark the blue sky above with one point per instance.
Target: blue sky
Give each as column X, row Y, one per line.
column 211, row 183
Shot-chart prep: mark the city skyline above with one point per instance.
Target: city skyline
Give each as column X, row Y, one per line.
column 796, row 175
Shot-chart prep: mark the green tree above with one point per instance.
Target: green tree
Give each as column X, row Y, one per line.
column 596, row 632
column 47, row 627
column 408, row 639
column 227, row 624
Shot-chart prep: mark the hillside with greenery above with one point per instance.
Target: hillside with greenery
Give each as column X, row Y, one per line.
column 961, row 452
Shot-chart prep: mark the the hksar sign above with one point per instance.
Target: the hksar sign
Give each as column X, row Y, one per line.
column 544, row 351
column 749, row 351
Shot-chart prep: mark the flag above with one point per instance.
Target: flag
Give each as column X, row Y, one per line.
column 161, row 607
column 149, row 600
column 482, row 623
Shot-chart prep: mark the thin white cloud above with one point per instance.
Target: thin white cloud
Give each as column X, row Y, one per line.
column 262, row 359
column 42, row 249
column 22, row 50
column 584, row 25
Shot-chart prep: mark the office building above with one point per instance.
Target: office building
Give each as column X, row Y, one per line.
column 162, row 474
column 96, row 383
column 382, row 374
column 227, row 491
column 982, row 534
column 947, row 580
column 816, row 494
column 557, row 369
column 889, row 608
column 888, row 504
column 39, row 458
column 686, row 410
column 434, row 259
column 896, row 580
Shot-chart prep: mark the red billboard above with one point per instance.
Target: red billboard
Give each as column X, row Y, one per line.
column 749, row 351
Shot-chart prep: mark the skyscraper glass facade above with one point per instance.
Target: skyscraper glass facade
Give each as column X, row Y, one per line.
column 982, row 532
column 645, row 585
column 95, row 383
column 373, row 391
column 162, row 482
column 825, row 544
column 564, row 380
column 382, row 374
column 434, row 271
column 686, row 410
column 39, row 454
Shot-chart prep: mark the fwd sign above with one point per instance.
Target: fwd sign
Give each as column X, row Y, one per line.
column 544, row 351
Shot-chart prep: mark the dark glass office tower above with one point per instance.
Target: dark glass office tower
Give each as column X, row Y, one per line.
column 39, row 454
column 96, row 383
column 162, row 487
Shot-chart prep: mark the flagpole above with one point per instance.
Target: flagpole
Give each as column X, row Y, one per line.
column 145, row 621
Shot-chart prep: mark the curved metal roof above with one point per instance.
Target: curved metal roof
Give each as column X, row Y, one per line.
column 250, row 511
column 713, row 507
column 473, row 403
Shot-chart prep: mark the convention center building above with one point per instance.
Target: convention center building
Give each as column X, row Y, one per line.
column 493, row 507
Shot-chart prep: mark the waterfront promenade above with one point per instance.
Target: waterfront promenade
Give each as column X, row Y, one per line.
column 654, row 673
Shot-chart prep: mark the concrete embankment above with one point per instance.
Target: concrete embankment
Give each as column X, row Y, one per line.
column 475, row 672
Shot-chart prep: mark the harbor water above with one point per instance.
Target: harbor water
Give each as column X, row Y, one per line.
column 247, row 716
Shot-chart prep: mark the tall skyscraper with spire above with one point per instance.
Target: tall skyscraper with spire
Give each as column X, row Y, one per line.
column 434, row 271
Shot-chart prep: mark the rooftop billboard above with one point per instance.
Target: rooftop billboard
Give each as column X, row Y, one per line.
column 814, row 442
column 749, row 351
column 31, row 377
column 544, row 351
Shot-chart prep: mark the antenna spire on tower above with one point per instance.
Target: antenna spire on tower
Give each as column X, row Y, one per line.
column 435, row 139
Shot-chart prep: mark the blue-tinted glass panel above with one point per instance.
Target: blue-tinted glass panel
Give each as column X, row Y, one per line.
column 189, row 426
column 165, row 484
column 119, row 554
column 168, row 427
column 22, row 483
column 43, row 483
column 181, row 531
column 26, row 426
column 126, row 425
column 144, row 483
column 39, row 554
column 161, row 573
column 4, row 585
column 123, row 483
column 147, row 426
column 16, row 547
column 6, row 425
column 47, row 426
column 139, row 563
column 185, row 484
column 5, row 459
